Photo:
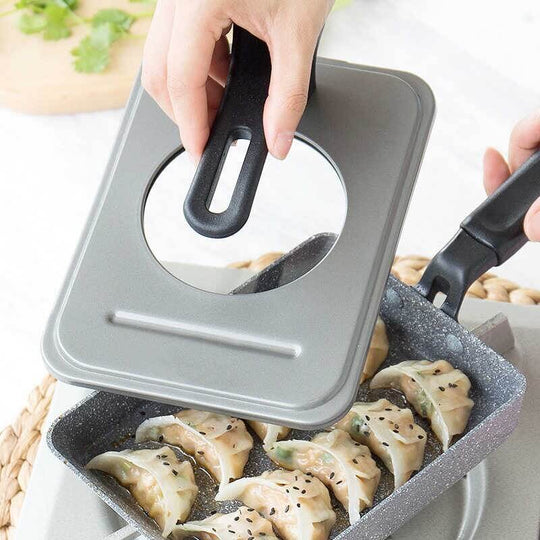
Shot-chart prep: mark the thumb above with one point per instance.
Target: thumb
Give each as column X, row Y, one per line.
column 287, row 94
column 532, row 222
column 496, row 170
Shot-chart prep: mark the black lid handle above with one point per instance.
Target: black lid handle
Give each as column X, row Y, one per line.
column 488, row 237
column 240, row 116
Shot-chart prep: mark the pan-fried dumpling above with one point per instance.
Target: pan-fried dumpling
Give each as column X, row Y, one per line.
column 340, row 463
column 378, row 351
column 240, row 525
column 220, row 444
column 269, row 433
column 297, row 504
column 390, row 433
column 437, row 391
column 162, row 484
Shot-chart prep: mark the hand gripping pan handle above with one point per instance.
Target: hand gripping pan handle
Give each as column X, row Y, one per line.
column 240, row 116
column 487, row 237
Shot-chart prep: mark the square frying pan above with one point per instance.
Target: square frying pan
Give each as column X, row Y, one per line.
column 416, row 330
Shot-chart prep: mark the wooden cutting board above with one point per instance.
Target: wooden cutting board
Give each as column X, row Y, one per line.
column 38, row 77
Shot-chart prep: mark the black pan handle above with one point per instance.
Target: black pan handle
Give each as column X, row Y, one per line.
column 487, row 237
column 240, row 116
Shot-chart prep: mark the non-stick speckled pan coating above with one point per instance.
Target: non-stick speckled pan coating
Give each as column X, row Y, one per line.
column 416, row 330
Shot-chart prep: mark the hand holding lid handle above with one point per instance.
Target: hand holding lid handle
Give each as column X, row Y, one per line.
column 240, row 116
column 488, row 237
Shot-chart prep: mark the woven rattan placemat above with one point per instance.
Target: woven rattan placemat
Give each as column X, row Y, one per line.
column 19, row 442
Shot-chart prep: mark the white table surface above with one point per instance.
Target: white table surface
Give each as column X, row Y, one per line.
column 479, row 57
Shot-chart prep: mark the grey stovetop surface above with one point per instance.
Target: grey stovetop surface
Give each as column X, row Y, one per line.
column 502, row 494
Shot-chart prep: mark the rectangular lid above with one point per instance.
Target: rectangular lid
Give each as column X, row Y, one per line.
column 291, row 355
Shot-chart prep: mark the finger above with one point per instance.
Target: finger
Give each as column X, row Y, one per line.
column 219, row 66
column 214, row 91
column 524, row 140
column 287, row 94
column 154, row 65
column 496, row 170
column 188, row 66
column 531, row 224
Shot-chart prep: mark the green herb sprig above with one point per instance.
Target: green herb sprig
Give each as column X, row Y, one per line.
column 107, row 26
column 54, row 20
column 51, row 17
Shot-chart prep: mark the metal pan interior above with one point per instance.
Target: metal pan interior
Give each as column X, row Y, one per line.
column 416, row 330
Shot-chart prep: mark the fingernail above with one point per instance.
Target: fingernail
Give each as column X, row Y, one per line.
column 282, row 144
column 533, row 227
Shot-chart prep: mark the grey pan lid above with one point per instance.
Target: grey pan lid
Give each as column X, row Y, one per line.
column 291, row 355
